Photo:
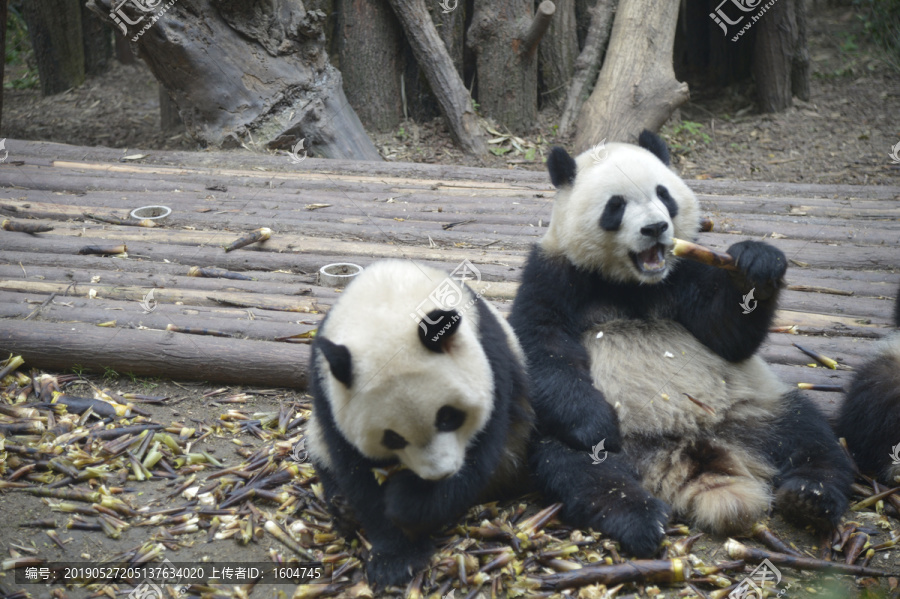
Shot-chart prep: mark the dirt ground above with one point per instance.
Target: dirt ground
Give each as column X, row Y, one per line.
column 843, row 135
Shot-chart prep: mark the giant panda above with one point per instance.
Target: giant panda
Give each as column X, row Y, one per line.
column 870, row 417
column 410, row 368
column 617, row 331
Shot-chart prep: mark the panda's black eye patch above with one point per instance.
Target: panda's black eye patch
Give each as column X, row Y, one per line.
column 611, row 219
column 449, row 419
column 666, row 198
column 393, row 441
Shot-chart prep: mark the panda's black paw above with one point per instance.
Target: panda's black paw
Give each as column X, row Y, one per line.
column 805, row 501
column 637, row 522
column 593, row 428
column 760, row 266
column 410, row 503
column 395, row 566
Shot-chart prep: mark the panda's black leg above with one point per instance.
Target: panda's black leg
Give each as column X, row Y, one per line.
column 607, row 497
column 395, row 558
column 814, row 473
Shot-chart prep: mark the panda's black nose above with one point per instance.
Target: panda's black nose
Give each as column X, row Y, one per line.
column 654, row 230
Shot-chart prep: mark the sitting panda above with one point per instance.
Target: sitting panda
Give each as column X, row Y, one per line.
column 617, row 333
column 442, row 394
column 870, row 418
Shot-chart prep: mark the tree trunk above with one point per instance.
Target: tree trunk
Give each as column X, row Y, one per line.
column 583, row 14
column 557, row 54
column 588, row 63
column 773, row 55
column 3, row 9
column 504, row 36
column 636, row 88
column 800, row 62
column 248, row 72
column 122, row 49
column 448, row 88
column 54, row 27
column 169, row 119
column 369, row 43
column 450, row 23
column 97, row 41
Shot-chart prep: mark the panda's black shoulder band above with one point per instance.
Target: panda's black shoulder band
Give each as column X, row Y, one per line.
column 655, row 145
column 561, row 167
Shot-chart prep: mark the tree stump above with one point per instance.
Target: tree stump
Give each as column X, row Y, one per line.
column 504, row 36
column 246, row 68
column 637, row 88
column 773, row 56
column 97, row 42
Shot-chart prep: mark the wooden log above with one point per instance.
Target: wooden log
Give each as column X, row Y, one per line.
column 57, row 346
column 37, row 153
column 127, row 315
column 446, row 84
column 538, row 27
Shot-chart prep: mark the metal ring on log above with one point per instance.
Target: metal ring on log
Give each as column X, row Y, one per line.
column 338, row 274
column 151, row 212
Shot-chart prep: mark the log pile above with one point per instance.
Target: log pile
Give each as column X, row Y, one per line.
column 61, row 308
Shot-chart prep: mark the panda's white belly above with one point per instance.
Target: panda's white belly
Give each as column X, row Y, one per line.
column 645, row 368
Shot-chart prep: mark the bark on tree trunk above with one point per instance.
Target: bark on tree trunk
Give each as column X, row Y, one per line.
column 54, row 27
column 169, row 119
column 504, row 35
column 637, row 88
column 2, row 62
column 97, row 41
column 446, row 84
column 123, row 50
column 369, row 43
column 558, row 52
column 800, row 63
column 247, row 68
column 773, row 55
column 588, row 63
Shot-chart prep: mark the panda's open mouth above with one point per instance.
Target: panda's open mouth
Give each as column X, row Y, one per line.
column 651, row 260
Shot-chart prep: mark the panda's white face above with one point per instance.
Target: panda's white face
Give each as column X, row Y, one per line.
column 620, row 213
column 405, row 401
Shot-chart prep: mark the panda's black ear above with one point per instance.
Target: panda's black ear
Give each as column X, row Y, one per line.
column 561, row 167
column 339, row 360
column 654, row 143
column 437, row 328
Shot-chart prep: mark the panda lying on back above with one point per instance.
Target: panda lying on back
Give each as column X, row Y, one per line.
column 870, row 416
column 444, row 395
column 617, row 331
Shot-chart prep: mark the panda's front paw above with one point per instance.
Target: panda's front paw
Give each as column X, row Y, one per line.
column 396, row 565
column 760, row 266
column 592, row 429
column 406, row 501
column 805, row 501
column 637, row 522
